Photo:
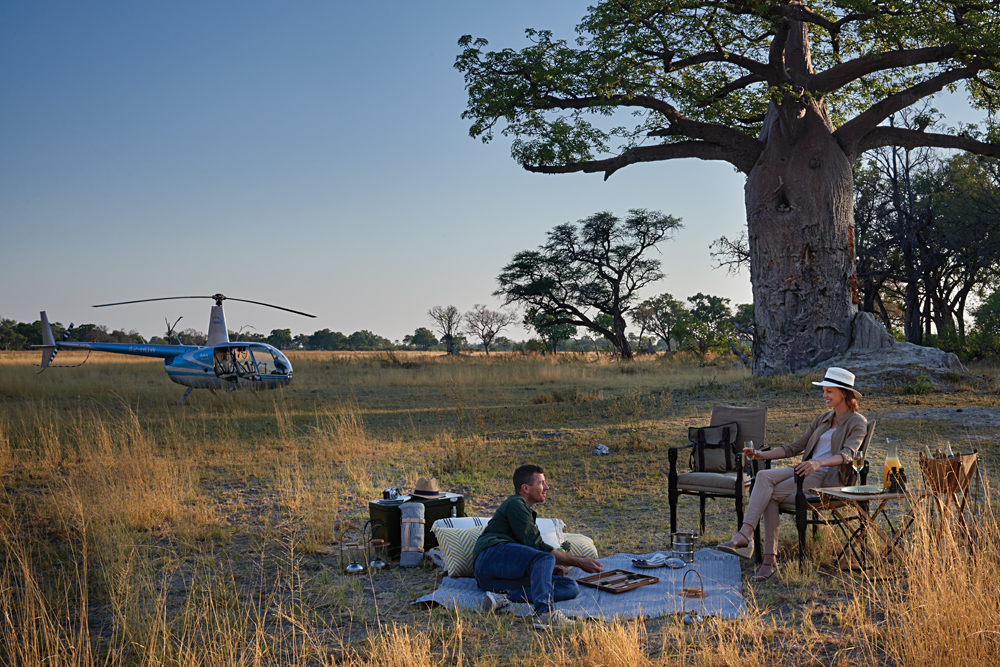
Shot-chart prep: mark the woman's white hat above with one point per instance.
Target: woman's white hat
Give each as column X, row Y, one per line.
column 840, row 378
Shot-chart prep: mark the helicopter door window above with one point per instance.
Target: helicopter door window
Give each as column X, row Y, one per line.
column 266, row 362
column 224, row 362
column 243, row 361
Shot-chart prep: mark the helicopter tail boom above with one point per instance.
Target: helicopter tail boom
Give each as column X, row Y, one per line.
column 48, row 346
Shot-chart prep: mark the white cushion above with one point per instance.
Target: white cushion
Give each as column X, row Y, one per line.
column 457, row 537
column 551, row 529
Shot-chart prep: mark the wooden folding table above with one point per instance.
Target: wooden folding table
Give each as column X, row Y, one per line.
column 868, row 519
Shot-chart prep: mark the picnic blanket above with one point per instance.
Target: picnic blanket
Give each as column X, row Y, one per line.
column 720, row 572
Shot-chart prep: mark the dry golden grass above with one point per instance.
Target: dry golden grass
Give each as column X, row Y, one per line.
column 137, row 532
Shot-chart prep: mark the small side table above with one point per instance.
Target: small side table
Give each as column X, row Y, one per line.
column 861, row 503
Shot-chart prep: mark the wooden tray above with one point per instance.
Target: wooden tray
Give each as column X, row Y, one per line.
column 617, row 581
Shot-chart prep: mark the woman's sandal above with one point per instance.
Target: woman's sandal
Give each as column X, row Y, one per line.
column 760, row 578
column 741, row 550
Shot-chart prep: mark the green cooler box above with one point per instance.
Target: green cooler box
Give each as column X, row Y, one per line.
column 387, row 512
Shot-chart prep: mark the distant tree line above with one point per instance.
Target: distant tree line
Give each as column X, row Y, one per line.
column 16, row 335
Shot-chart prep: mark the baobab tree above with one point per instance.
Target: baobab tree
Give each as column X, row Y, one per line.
column 791, row 93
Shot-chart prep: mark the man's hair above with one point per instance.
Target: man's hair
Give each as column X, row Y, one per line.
column 526, row 475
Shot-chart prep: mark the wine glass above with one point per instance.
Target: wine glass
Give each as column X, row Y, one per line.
column 857, row 459
column 748, row 450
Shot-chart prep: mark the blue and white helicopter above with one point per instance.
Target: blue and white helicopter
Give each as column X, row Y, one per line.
column 218, row 365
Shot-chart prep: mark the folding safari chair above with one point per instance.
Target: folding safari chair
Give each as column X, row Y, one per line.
column 807, row 503
column 731, row 484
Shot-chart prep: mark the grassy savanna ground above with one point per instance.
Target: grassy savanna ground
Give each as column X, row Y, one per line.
column 135, row 531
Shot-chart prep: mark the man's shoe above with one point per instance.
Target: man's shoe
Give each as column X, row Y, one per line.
column 494, row 602
column 555, row 621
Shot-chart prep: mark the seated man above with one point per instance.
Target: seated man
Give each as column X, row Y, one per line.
column 512, row 560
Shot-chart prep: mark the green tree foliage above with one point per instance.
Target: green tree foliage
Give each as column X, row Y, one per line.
column 789, row 93
column 709, row 324
column 191, row 336
column 595, row 267
column 550, row 330
column 366, row 340
column 324, row 339
column 661, row 315
column 280, row 338
column 422, row 339
column 10, row 338
column 987, row 315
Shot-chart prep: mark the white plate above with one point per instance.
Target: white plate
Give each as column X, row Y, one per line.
column 650, row 566
column 862, row 490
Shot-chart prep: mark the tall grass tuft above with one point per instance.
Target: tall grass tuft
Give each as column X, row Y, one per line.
column 947, row 613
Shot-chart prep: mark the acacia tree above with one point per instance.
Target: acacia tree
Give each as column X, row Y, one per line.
column 485, row 324
column 790, row 92
column 584, row 272
column 447, row 319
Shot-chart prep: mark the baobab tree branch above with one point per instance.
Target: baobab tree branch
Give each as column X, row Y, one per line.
column 840, row 75
column 851, row 132
column 703, row 150
column 910, row 139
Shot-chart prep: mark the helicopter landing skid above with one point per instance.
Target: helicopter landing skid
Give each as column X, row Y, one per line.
column 185, row 395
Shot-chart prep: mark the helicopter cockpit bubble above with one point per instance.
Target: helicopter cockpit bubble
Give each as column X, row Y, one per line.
column 270, row 361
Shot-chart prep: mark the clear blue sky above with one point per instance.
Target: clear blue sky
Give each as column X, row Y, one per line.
column 308, row 154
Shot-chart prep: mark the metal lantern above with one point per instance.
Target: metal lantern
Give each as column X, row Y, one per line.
column 377, row 548
column 378, row 554
column 353, row 559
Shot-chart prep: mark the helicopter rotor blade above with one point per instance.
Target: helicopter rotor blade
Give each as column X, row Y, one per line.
column 163, row 298
column 269, row 305
column 217, row 297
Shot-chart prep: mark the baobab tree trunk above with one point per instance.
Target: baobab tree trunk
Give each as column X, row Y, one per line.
column 800, row 219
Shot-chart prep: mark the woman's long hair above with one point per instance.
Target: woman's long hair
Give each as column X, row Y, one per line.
column 850, row 400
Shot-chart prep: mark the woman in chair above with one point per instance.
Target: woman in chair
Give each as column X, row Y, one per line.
column 826, row 447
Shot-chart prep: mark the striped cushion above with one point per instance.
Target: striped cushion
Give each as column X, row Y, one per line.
column 456, row 548
column 580, row 546
column 461, row 522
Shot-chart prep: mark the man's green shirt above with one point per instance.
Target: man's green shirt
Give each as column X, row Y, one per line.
column 514, row 521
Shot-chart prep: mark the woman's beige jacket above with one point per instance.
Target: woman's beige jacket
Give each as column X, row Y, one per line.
column 850, row 432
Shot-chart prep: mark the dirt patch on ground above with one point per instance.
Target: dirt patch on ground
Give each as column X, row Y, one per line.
column 973, row 419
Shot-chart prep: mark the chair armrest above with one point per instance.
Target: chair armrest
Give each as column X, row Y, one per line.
column 755, row 463
column 800, row 494
column 672, row 476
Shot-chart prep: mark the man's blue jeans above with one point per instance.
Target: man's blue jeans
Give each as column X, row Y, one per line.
column 523, row 573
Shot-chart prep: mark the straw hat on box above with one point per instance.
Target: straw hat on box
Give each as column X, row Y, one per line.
column 428, row 488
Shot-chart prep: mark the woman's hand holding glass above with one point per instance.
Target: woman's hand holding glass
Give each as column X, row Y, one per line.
column 748, row 450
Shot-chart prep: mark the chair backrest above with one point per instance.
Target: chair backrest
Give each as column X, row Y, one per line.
column 752, row 421
column 868, row 438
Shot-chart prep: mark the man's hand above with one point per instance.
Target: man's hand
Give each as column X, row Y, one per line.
column 588, row 565
column 559, row 571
